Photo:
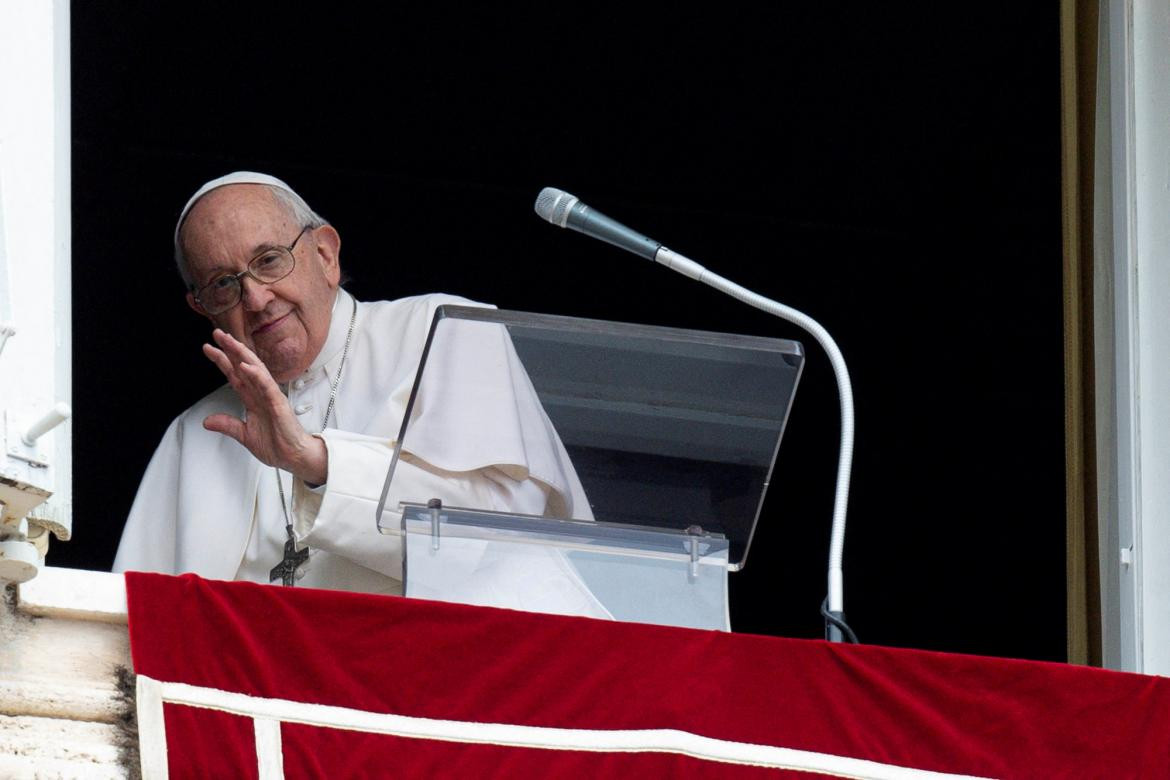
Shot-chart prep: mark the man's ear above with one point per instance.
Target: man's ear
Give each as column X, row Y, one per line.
column 195, row 307
column 329, row 253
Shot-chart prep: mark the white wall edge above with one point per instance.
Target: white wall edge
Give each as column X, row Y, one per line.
column 1133, row 325
column 1151, row 90
column 75, row 593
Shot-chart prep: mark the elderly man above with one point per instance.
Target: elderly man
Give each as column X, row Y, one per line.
column 279, row 471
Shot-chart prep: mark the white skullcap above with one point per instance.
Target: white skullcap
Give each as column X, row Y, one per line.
column 238, row 177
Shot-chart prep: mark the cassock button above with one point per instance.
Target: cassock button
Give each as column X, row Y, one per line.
column 302, row 408
column 298, row 384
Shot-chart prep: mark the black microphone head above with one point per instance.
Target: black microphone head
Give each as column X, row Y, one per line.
column 554, row 205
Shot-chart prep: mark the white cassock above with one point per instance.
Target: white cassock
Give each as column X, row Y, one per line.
column 206, row 505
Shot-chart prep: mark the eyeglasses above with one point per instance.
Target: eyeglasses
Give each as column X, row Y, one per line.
column 271, row 265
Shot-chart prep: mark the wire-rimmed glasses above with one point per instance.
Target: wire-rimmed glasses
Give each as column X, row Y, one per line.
column 224, row 291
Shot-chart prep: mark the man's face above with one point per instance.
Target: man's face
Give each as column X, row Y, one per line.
column 285, row 323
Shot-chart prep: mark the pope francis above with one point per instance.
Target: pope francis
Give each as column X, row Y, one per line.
column 275, row 476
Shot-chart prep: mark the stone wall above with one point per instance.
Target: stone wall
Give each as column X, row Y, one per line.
column 64, row 677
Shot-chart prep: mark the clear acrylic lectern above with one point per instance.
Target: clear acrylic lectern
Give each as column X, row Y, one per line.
column 574, row 466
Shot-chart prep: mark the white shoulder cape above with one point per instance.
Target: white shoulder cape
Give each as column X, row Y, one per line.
column 492, row 448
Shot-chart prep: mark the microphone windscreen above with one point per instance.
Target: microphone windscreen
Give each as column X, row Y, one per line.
column 554, row 205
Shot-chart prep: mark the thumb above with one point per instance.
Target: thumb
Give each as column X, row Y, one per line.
column 227, row 425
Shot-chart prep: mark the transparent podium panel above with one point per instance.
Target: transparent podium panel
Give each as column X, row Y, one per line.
column 623, row 437
column 591, row 569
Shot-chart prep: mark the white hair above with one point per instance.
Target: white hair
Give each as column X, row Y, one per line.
column 293, row 204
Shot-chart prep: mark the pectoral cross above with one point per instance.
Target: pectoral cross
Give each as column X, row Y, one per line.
column 286, row 570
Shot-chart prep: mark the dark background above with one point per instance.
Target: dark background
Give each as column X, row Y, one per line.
column 894, row 173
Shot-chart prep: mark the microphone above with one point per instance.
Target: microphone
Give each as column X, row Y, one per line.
column 565, row 210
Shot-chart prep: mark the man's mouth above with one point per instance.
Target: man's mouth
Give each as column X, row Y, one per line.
column 268, row 326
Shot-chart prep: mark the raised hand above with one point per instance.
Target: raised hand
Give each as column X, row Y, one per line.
column 269, row 429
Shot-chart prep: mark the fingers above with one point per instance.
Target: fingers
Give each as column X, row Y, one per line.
column 221, row 362
column 232, row 356
column 254, row 385
column 234, row 348
column 227, row 425
column 234, row 377
column 239, row 356
column 261, row 384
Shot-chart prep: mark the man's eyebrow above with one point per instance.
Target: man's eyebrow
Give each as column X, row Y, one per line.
column 216, row 270
column 265, row 246
column 222, row 268
column 256, row 250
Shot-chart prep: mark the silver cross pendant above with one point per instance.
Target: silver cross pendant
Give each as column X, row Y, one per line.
column 286, row 570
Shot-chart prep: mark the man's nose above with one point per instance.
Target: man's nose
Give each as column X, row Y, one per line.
column 254, row 295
